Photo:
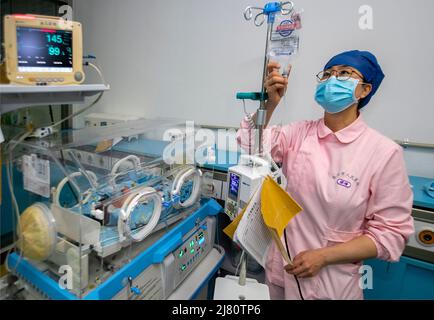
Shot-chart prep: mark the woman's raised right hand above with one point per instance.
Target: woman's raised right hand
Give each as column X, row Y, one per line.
column 275, row 84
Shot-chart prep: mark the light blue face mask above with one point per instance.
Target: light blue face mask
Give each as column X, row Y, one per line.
column 335, row 95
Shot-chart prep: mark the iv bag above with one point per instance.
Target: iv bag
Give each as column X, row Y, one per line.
column 284, row 41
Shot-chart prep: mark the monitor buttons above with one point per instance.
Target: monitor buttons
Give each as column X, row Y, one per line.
column 78, row 76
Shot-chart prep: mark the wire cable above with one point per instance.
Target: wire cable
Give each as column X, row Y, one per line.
column 89, row 106
column 80, row 111
column 296, row 278
column 97, row 70
column 61, row 154
column 9, row 174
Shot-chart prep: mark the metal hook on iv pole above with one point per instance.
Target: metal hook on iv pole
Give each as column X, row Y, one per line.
column 286, row 11
column 248, row 14
column 285, row 8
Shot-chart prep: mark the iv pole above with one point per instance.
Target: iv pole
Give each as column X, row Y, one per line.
column 269, row 10
column 261, row 114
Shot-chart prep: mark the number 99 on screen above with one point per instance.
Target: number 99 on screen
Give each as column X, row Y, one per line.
column 53, row 51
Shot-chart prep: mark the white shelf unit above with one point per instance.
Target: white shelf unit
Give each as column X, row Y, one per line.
column 13, row 97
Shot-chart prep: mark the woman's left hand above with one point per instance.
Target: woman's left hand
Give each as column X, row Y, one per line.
column 307, row 263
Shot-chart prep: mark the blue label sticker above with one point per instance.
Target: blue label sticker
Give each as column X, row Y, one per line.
column 286, row 28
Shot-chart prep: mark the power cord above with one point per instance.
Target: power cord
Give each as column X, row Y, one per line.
column 61, row 155
column 87, row 63
column 9, row 175
column 296, row 278
column 46, row 131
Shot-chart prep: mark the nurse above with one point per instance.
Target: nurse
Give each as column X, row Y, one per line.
column 350, row 180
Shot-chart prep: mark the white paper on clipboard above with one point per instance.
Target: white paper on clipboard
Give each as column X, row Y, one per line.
column 252, row 234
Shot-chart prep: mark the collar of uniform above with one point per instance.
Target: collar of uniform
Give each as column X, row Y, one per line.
column 345, row 135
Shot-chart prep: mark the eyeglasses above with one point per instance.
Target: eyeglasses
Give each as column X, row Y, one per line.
column 341, row 75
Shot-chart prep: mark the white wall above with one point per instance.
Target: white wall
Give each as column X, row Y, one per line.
column 188, row 59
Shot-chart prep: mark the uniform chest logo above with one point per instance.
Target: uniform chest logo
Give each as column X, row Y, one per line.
column 346, row 180
column 343, row 183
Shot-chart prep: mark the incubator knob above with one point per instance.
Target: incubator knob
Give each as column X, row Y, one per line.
column 135, row 290
column 426, row 237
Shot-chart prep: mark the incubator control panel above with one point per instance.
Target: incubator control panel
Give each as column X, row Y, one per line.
column 191, row 252
column 159, row 280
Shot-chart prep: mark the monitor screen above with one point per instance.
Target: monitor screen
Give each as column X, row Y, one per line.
column 44, row 50
column 234, row 185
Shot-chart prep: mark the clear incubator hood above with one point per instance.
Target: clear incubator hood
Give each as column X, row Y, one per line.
column 87, row 201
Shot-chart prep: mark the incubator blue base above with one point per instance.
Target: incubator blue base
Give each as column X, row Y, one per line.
column 166, row 246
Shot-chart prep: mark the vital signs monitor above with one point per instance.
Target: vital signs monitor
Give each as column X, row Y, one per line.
column 42, row 50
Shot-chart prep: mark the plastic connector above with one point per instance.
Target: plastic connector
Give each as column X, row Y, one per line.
column 261, row 115
column 272, row 7
column 42, row 132
column 98, row 214
column 136, row 291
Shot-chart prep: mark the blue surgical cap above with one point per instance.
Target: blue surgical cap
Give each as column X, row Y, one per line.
column 366, row 63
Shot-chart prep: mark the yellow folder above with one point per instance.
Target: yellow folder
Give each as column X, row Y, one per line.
column 277, row 208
